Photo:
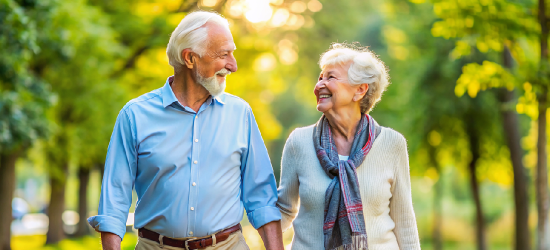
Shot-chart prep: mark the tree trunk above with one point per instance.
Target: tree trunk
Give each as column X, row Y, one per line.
column 57, row 206
column 481, row 239
column 101, row 168
column 438, row 195
column 543, row 239
column 510, row 123
column 84, row 179
column 7, row 187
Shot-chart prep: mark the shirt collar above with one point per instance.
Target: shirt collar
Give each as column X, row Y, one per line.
column 168, row 96
column 219, row 99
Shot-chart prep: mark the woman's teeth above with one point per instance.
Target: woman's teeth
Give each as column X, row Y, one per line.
column 324, row 96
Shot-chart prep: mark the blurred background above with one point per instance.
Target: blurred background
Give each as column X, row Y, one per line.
column 469, row 92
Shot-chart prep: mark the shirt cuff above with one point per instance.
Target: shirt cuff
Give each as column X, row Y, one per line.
column 104, row 223
column 263, row 215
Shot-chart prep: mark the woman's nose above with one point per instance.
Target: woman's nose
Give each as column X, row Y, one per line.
column 320, row 84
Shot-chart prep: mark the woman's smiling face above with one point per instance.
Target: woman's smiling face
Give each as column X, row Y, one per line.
column 333, row 90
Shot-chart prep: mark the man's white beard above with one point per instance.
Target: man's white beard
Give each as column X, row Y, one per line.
column 211, row 83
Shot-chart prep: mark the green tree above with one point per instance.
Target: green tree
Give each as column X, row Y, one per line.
column 491, row 27
column 80, row 57
column 543, row 200
column 23, row 99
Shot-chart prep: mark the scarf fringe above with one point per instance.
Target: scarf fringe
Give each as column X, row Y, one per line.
column 359, row 242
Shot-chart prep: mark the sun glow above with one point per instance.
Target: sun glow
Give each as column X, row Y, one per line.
column 258, row 11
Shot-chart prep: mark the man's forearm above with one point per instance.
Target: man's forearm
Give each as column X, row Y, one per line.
column 110, row 241
column 272, row 235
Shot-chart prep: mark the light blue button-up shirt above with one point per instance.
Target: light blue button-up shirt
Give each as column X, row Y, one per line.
column 193, row 172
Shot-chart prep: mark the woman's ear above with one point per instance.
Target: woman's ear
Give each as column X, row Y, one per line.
column 189, row 58
column 361, row 92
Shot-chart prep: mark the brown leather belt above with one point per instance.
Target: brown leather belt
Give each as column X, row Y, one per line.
column 191, row 243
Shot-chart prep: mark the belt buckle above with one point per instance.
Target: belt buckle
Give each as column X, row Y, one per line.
column 187, row 243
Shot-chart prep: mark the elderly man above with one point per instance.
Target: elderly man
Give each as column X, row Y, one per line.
column 194, row 154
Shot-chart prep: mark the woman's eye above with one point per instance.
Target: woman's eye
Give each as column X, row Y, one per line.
column 331, row 77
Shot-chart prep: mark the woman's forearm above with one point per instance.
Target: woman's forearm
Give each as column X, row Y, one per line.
column 288, row 188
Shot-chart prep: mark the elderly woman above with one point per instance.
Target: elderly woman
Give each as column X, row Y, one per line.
column 345, row 180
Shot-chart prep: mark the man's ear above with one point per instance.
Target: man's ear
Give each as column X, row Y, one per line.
column 361, row 92
column 189, row 58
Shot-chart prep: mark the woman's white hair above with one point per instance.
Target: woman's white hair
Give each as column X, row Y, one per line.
column 365, row 67
column 191, row 34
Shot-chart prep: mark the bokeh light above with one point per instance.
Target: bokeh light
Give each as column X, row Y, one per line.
column 298, row 7
column 265, row 62
column 314, row 5
column 280, row 17
column 258, row 11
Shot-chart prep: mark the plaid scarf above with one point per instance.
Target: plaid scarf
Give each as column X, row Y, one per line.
column 344, row 225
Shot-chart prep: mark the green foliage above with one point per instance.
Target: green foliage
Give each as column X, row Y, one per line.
column 476, row 77
column 485, row 25
column 23, row 96
column 78, row 63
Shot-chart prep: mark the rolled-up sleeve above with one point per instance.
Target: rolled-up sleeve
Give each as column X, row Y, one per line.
column 118, row 179
column 259, row 188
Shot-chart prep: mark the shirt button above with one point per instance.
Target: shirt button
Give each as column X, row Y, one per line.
column 195, row 162
column 192, row 208
column 190, row 232
column 194, row 184
column 196, row 140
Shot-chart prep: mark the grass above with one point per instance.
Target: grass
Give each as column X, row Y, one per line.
column 37, row 242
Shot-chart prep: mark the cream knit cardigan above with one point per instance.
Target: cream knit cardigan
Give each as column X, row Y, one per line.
column 385, row 191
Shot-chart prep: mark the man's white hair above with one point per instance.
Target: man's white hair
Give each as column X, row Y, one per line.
column 191, row 34
column 365, row 67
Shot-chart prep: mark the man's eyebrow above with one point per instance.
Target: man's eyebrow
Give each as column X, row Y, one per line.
column 228, row 50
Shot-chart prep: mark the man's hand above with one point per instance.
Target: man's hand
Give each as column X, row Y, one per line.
column 272, row 235
column 110, row 241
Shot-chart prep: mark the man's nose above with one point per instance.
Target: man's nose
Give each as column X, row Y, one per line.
column 231, row 64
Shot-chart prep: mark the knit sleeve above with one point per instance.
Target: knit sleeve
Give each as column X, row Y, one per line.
column 289, row 200
column 401, row 208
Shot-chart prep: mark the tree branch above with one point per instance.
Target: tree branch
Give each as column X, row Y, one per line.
column 186, row 7
column 131, row 62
